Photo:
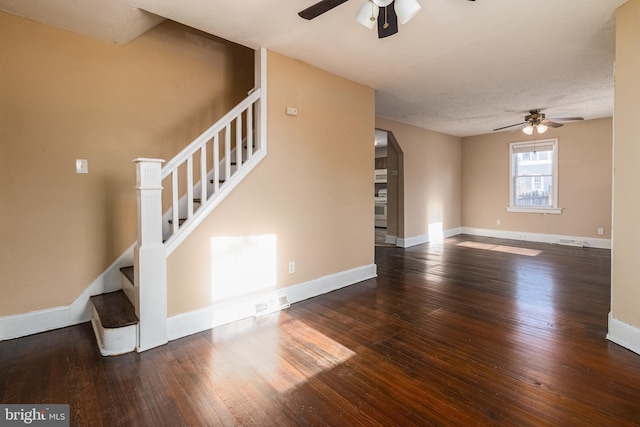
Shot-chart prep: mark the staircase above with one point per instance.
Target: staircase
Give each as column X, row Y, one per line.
column 198, row 179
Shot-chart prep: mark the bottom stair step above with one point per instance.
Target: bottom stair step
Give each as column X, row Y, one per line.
column 115, row 323
column 115, row 310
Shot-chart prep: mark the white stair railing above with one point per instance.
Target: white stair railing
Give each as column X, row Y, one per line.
column 202, row 174
column 221, row 140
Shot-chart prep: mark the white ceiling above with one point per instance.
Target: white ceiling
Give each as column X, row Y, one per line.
column 458, row 67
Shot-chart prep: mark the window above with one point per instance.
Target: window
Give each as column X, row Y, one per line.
column 534, row 177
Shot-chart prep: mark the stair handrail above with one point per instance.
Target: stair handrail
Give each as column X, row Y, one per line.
column 206, row 136
column 248, row 151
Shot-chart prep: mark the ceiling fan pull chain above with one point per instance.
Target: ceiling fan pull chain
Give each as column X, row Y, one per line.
column 386, row 22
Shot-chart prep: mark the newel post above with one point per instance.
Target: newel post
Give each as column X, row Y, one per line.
column 150, row 258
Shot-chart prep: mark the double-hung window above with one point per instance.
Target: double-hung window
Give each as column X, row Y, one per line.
column 534, row 177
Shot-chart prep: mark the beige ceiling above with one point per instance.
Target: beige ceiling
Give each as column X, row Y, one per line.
column 458, row 67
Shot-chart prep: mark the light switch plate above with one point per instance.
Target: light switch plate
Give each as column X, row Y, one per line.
column 82, row 166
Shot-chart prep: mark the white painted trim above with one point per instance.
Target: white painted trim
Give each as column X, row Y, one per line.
column 452, row 232
column 412, row 241
column 331, row 282
column 33, row 322
column 418, row 240
column 391, row 240
column 589, row 242
column 530, row 145
column 196, row 321
column 79, row 311
column 260, row 80
column 551, row 211
column 114, row 341
column 628, row 336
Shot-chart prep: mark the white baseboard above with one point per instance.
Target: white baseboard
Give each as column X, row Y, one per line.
column 391, row 240
column 425, row 238
column 452, row 232
column 623, row 334
column 412, row 241
column 226, row 312
column 34, row 322
column 79, row 311
column 589, row 242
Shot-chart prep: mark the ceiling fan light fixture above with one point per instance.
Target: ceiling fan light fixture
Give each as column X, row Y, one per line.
column 382, row 3
column 368, row 14
column 542, row 128
column 406, row 9
column 528, row 130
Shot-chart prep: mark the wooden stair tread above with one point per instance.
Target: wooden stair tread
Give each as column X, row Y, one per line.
column 114, row 309
column 128, row 273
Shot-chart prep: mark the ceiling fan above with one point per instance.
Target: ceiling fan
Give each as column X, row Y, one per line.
column 385, row 12
column 537, row 121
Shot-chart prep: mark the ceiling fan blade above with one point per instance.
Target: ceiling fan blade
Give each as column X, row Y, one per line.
column 510, row 126
column 567, row 119
column 549, row 123
column 320, row 8
column 387, row 21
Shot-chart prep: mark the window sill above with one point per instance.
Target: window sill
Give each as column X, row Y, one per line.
column 552, row 211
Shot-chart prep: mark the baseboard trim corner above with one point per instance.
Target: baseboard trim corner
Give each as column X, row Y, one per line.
column 624, row 334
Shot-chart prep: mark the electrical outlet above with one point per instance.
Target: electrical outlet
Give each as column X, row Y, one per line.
column 498, row 222
column 292, row 267
column 600, row 231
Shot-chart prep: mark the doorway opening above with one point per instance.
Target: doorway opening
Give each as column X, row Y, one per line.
column 388, row 189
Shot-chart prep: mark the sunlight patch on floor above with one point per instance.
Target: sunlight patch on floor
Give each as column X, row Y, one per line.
column 281, row 351
column 501, row 248
column 303, row 352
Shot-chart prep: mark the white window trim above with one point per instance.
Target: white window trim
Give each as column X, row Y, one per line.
column 555, row 210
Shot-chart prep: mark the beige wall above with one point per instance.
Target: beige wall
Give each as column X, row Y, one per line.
column 309, row 201
column 584, row 177
column 63, row 97
column 626, row 282
column 431, row 177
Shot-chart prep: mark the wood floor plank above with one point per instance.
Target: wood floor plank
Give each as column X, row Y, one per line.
column 469, row 332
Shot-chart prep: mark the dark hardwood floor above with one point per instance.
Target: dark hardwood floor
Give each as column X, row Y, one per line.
column 471, row 332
